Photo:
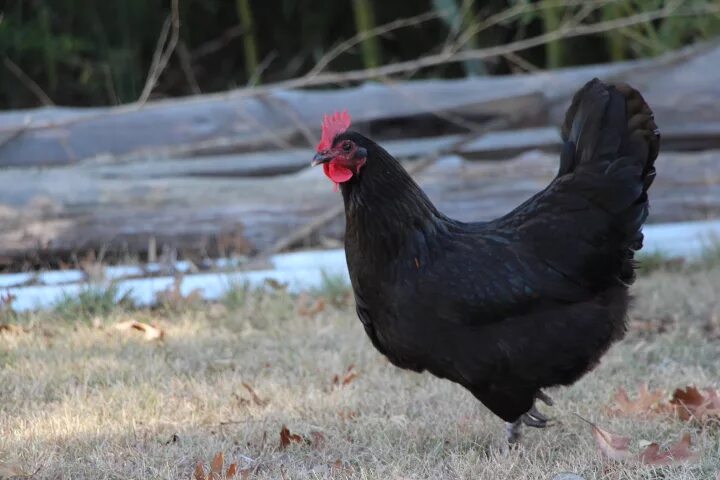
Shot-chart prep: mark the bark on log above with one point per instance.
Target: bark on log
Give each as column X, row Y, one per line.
column 680, row 87
column 56, row 212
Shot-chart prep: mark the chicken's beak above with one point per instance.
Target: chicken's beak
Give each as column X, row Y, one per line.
column 320, row 158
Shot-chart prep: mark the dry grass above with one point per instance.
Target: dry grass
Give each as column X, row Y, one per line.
column 79, row 399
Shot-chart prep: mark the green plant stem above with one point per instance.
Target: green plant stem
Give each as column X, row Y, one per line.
column 244, row 12
column 554, row 50
column 616, row 43
column 365, row 21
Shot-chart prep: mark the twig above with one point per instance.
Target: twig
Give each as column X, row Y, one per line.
column 163, row 51
column 498, row 50
column 521, row 62
column 346, row 45
column 289, row 111
column 449, row 117
column 304, row 231
column 513, row 12
column 217, row 44
column 255, row 78
column 109, row 84
column 186, row 65
column 28, row 82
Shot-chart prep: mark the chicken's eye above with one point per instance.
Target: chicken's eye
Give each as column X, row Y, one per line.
column 347, row 146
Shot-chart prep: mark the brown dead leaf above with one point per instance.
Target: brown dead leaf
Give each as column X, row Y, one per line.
column 11, row 329
column 149, row 332
column 347, row 414
column 199, row 471
column 614, row 447
column 172, row 297
column 317, row 439
column 347, row 378
column 338, row 467
column 8, row 470
column 216, row 466
column 216, row 469
column 286, row 438
column 275, row 285
column 231, row 471
column 255, row 397
column 309, row 307
column 647, row 402
column 680, row 452
column 693, row 404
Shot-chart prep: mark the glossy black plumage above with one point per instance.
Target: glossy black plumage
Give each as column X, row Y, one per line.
column 526, row 301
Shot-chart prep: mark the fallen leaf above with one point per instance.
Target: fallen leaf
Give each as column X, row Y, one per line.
column 690, row 403
column 347, row 378
column 338, row 467
column 307, row 309
column 173, row 298
column 231, row 471
column 275, row 285
column 11, row 329
column 255, row 397
column 150, row 332
column 216, row 466
column 687, row 401
column 680, row 452
column 199, row 472
column 615, row 447
column 347, row 414
column 286, row 438
column 318, row 438
column 8, row 470
column 647, row 402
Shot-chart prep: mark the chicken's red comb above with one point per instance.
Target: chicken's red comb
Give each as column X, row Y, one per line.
column 331, row 127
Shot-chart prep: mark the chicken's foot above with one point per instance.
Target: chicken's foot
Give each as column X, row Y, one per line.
column 532, row 418
column 513, row 430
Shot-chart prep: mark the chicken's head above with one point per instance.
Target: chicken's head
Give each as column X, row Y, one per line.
column 340, row 157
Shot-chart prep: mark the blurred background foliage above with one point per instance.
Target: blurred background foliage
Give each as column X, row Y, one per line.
column 86, row 52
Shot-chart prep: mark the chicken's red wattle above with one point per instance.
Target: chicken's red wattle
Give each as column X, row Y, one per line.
column 337, row 173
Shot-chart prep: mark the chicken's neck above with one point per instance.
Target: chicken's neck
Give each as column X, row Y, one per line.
column 385, row 208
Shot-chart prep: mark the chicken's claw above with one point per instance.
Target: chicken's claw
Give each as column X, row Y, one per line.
column 514, row 432
column 545, row 398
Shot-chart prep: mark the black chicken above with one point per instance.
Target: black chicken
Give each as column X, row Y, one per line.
column 523, row 302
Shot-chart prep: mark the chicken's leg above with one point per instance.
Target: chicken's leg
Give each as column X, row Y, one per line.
column 532, row 418
column 513, row 431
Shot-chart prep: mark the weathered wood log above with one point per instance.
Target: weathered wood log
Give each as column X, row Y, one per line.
column 56, row 212
column 505, row 144
column 679, row 86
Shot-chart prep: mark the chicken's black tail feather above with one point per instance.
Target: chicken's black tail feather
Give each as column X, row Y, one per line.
column 609, row 134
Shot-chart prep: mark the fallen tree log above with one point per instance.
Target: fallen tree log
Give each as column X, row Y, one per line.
column 679, row 86
column 56, row 213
